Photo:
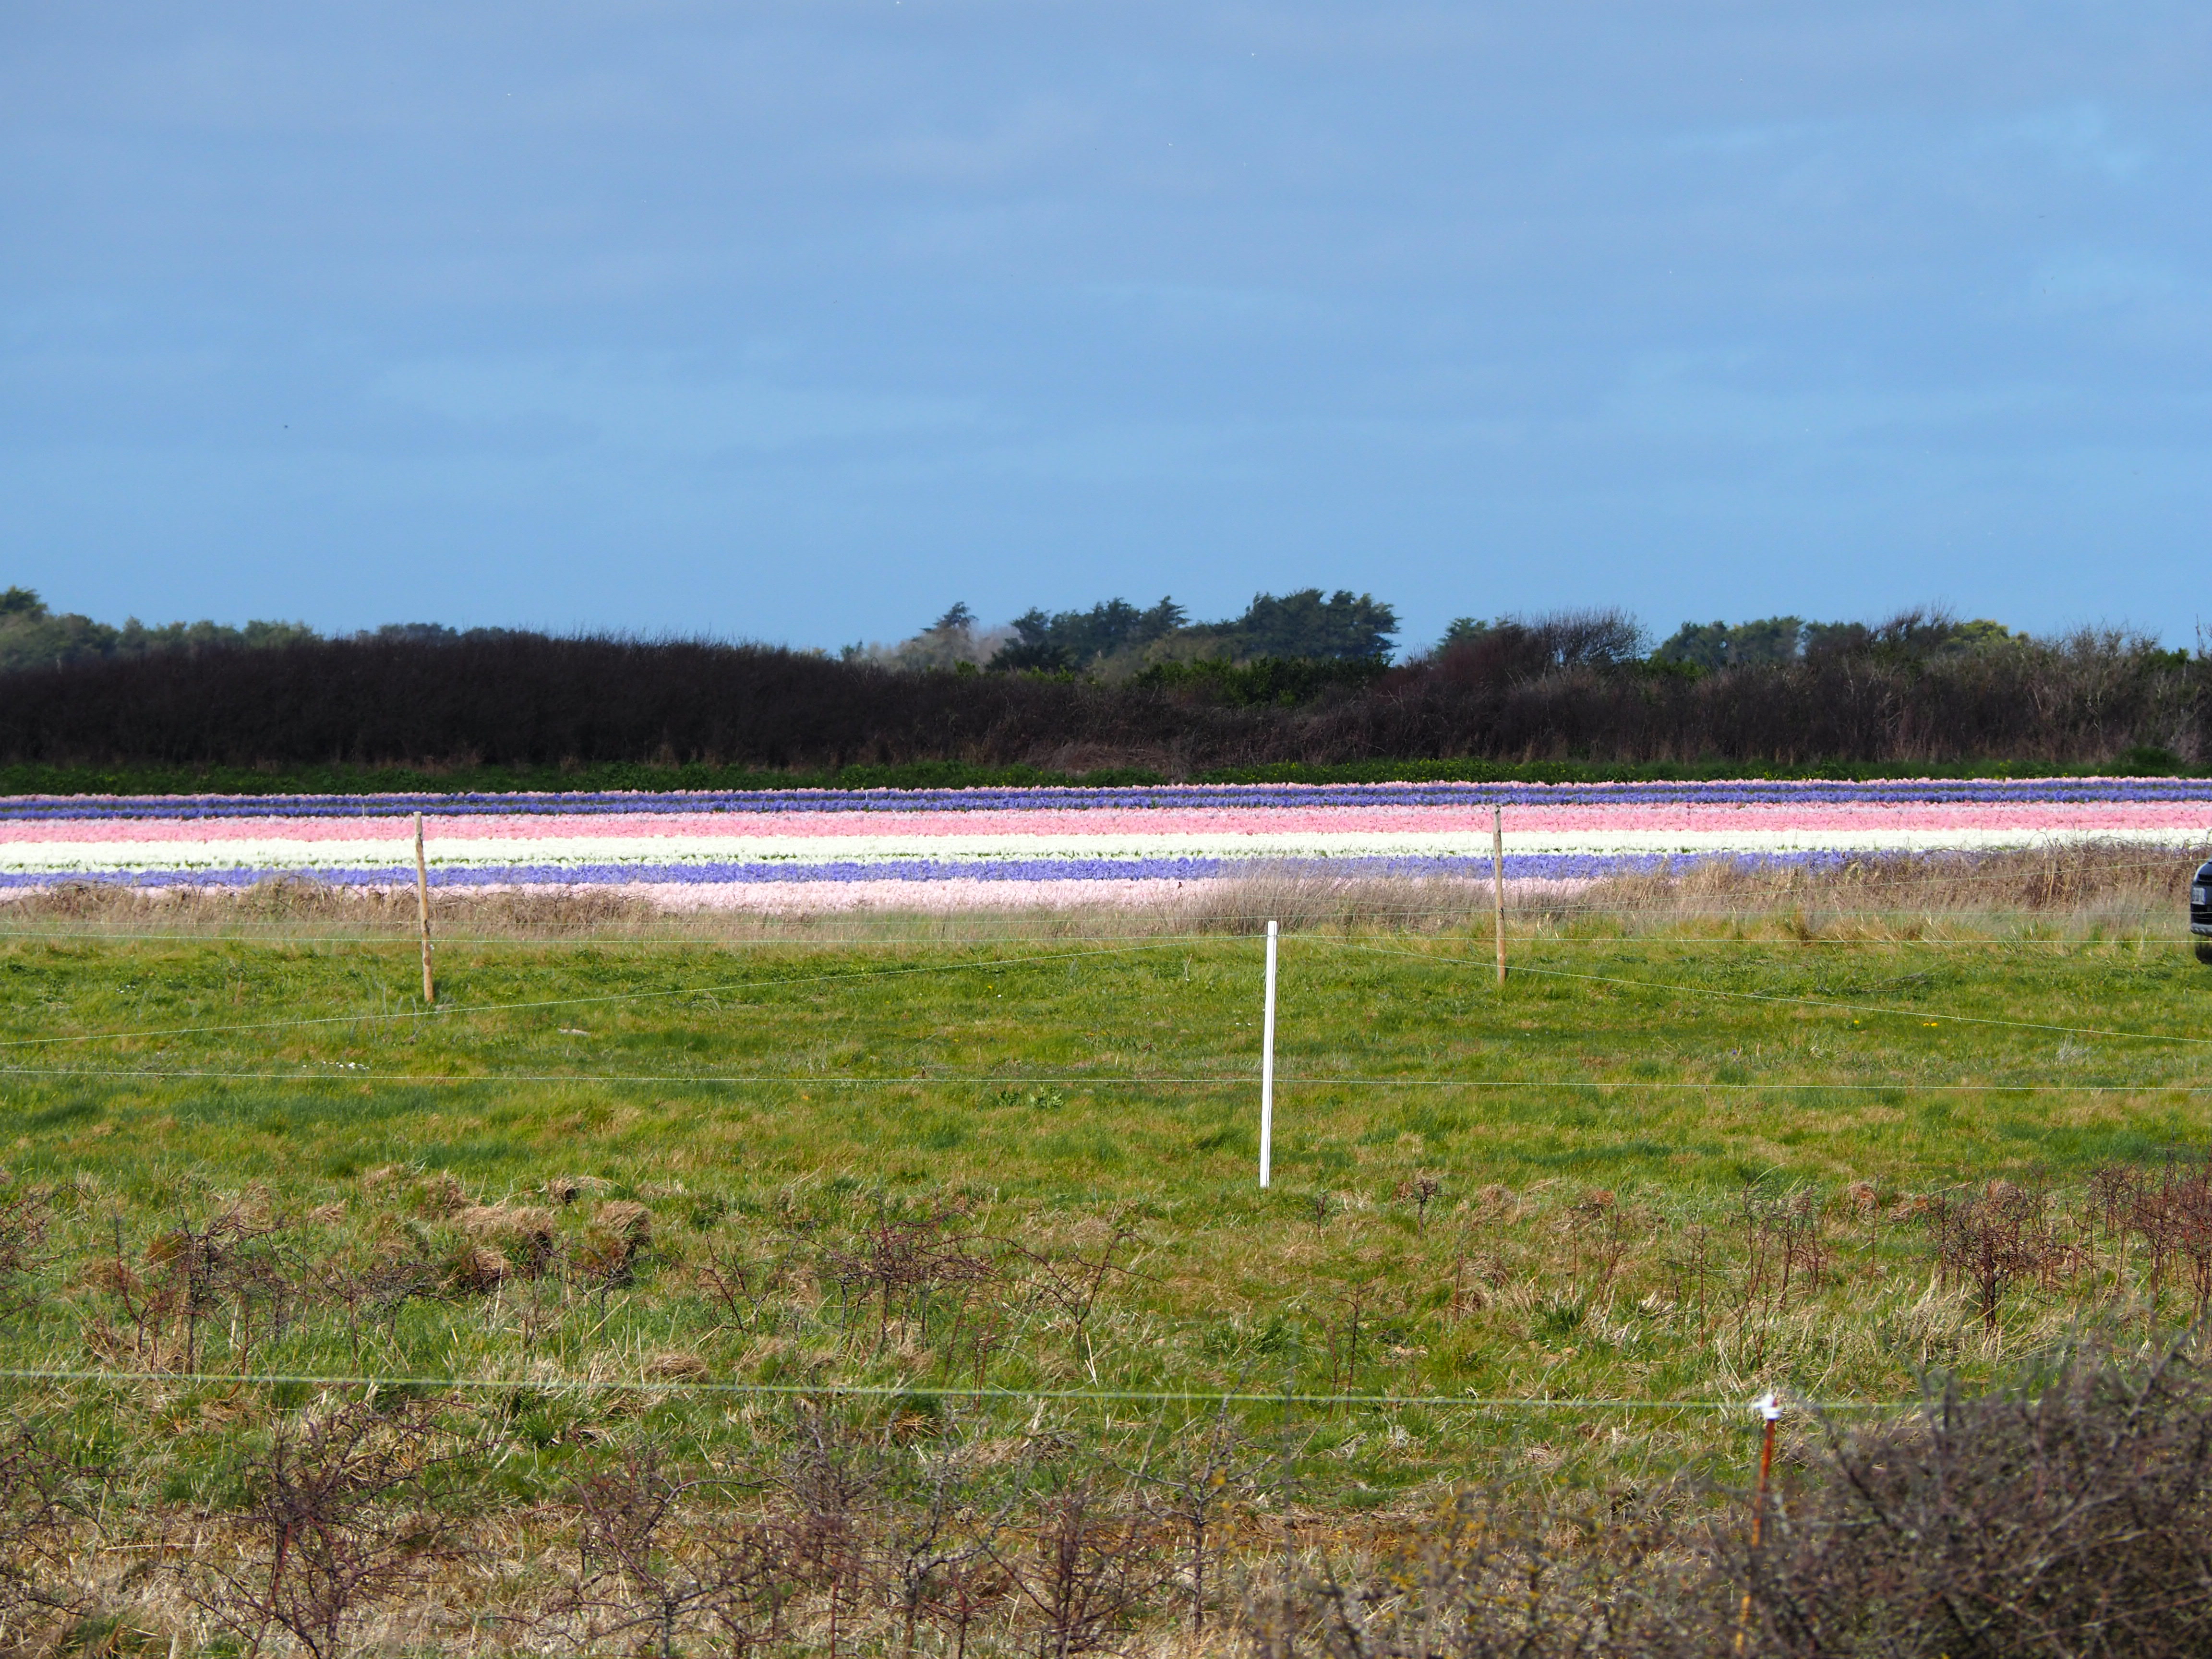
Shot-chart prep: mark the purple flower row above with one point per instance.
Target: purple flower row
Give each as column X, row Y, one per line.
column 1919, row 792
column 1547, row 867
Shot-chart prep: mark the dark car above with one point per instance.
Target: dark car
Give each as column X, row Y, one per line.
column 2200, row 910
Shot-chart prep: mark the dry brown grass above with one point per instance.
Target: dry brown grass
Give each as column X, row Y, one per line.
column 2097, row 882
column 2097, row 888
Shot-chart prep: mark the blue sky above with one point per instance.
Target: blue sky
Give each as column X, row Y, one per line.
column 801, row 321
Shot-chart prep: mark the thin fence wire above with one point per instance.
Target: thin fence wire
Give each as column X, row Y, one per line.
column 1677, row 988
column 908, row 1391
column 344, row 1075
column 446, row 1010
column 409, row 941
column 992, row 964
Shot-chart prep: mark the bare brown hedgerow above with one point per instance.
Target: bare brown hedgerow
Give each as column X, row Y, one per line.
column 1527, row 690
column 648, row 1567
column 2069, row 1517
column 342, row 1514
column 46, row 1495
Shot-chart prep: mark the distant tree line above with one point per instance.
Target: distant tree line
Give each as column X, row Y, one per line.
column 1118, row 641
column 34, row 636
column 1921, row 687
column 1772, row 640
column 31, row 637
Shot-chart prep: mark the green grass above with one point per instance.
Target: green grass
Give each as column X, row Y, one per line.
column 1614, row 1149
column 773, row 1102
column 1589, row 1235
column 1385, row 1043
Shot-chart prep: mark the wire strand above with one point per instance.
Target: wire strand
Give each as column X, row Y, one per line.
column 452, row 1010
column 1803, row 1002
column 710, row 942
column 909, row 1390
column 1081, row 1079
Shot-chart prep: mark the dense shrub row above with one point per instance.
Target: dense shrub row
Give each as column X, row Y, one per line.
column 521, row 699
column 2067, row 1517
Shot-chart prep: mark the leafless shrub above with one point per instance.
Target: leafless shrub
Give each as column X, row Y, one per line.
column 1688, row 1268
column 1071, row 1285
column 1865, row 1198
column 828, row 1480
column 906, row 1266
column 1474, row 1266
column 1995, row 1242
column 1506, row 1576
column 188, row 1274
column 1085, row 1568
column 367, row 1294
column 23, row 1244
column 2172, row 1212
column 2066, row 1516
column 1202, row 1479
column 23, row 1219
column 1783, row 1250
column 2111, row 1195
column 931, row 1548
column 1422, row 1189
column 2069, row 1516
column 743, row 1291
column 341, row 1515
column 645, row 1567
column 1342, row 1334
column 1603, row 1226
column 43, row 1496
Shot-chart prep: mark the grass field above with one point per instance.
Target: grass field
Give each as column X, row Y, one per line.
column 1008, row 1180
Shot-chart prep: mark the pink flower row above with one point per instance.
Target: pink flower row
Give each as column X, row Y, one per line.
column 2190, row 817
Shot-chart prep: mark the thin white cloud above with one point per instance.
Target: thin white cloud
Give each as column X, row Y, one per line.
column 1022, row 142
column 2077, row 138
column 635, row 406
column 1740, row 399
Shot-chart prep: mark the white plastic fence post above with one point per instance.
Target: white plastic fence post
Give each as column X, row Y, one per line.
column 1268, row 1068
column 1498, row 884
column 422, row 910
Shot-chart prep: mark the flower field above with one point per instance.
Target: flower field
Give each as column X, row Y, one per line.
column 829, row 849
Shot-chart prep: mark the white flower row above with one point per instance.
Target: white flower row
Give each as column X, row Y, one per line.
column 278, row 853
